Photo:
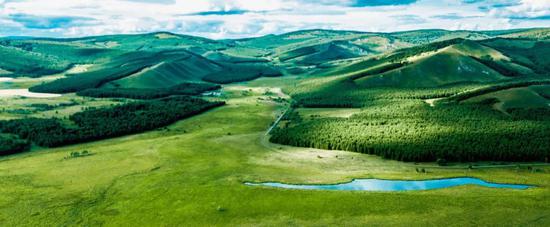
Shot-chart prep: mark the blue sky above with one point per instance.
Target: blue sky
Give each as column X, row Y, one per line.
column 245, row 18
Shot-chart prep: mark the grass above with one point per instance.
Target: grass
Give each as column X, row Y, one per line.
column 444, row 68
column 327, row 112
column 192, row 173
column 26, row 82
column 523, row 97
column 61, row 107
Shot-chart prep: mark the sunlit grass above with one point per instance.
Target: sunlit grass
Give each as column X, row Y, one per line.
column 192, row 173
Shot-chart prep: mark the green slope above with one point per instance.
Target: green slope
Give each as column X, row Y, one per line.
column 529, row 53
column 26, row 63
column 318, row 54
column 116, row 68
column 420, row 37
column 75, row 52
column 450, row 65
column 152, row 42
column 428, row 71
column 232, row 72
column 514, row 98
column 167, row 73
column 302, row 53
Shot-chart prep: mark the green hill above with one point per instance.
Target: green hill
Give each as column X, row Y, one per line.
column 151, row 42
column 514, row 98
column 26, row 63
column 168, row 72
column 400, row 59
column 465, row 62
column 116, row 68
column 429, row 71
column 529, row 53
column 318, row 54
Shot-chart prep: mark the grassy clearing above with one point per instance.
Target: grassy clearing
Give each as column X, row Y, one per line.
column 192, row 172
column 60, row 107
column 26, row 82
column 327, row 112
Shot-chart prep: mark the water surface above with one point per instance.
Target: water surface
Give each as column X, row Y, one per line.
column 394, row 185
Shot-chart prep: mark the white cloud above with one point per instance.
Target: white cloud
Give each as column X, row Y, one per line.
column 525, row 9
column 243, row 18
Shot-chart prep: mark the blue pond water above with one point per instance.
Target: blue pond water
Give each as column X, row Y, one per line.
column 395, row 185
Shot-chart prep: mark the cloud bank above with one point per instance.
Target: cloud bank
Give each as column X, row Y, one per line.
column 221, row 19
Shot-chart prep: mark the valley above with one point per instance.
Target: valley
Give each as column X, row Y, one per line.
column 166, row 129
column 193, row 173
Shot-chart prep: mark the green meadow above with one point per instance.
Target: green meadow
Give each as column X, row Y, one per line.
column 192, row 173
column 164, row 129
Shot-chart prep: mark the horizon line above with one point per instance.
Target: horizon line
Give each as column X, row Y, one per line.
column 273, row 34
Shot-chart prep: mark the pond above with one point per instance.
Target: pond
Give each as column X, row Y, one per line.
column 394, row 185
column 25, row 93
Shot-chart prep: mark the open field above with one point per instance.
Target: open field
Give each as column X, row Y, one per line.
column 192, row 173
column 61, row 107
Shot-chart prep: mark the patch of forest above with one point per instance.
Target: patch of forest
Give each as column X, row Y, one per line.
column 410, row 130
column 101, row 123
column 11, row 144
column 497, row 66
column 87, row 80
column 404, row 53
column 344, row 93
column 379, row 69
column 241, row 72
column 117, row 68
column 534, row 57
column 187, row 88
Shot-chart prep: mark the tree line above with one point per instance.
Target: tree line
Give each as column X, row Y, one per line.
column 100, row 123
column 410, row 130
column 241, row 72
column 187, row 88
column 11, row 144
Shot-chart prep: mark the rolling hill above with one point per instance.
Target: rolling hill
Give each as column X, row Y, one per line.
column 449, row 65
column 167, row 72
column 18, row 62
column 423, row 58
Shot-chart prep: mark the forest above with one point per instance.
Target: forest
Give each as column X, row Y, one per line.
column 87, row 80
column 534, row 57
column 411, row 130
column 11, row 144
column 186, row 88
column 241, row 72
column 343, row 93
column 100, row 123
column 401, row 54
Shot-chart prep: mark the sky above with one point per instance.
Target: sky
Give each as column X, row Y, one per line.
column 219, row 19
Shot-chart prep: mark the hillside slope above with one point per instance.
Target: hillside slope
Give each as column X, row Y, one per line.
column 374, row 59
column 446, row 67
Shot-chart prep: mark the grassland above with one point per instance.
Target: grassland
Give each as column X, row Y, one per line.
column 192, row 173
column 61, row 107
column 343, row 84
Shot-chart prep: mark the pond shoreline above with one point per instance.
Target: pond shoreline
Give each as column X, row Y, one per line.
column 373, row 184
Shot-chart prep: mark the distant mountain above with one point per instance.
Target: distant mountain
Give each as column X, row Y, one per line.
column 424, row 58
